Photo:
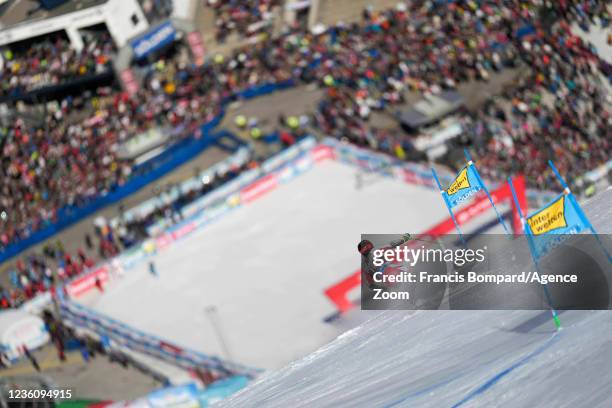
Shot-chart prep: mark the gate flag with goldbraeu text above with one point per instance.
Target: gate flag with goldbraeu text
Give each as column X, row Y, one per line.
column 466, row 184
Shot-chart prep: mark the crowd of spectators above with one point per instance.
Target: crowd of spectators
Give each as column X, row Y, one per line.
column 39, row 272
column 52, row 61
column 558, row 108
column 560, row 111
column 245, row 18
column 70, row 160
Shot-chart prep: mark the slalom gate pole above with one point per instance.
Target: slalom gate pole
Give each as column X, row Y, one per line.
column 527, row 231
column 486, row 190
column 450, row 211
column 578, row 208
column 423, row 240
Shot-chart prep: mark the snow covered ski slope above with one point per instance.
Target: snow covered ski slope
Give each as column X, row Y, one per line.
column 265, row 266
column 455, row 358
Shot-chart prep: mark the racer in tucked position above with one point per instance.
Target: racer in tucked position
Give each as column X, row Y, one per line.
column 366, row 249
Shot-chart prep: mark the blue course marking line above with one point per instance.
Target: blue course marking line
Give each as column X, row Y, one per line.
column 425, row 390
column 482, row 388
column 442, row 383
column 493, row 380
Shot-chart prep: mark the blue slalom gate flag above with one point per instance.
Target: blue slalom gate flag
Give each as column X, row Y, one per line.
column 466, row 184
column 550, row 225
column 562, row 216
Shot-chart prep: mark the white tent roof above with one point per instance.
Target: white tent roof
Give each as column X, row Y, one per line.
column 17, row 328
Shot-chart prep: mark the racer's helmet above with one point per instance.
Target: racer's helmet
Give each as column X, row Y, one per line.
column 364, row 247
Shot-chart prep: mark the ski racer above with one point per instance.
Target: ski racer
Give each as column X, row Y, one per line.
column 365, row 248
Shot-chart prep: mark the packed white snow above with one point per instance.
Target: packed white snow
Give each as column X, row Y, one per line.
column 455, row 358
column 264, row 267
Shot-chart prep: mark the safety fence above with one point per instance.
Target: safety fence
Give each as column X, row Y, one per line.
column 123, row 336
column 238, row 159
column 412, row 173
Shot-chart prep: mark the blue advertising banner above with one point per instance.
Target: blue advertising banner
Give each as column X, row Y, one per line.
column 221, row 389
column 162, row 35
column 184, row 396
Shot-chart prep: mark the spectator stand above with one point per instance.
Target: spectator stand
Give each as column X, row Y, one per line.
column 46, row 52
column 71, row 214
column 123, row 18
column 51, row 67
column 243, row 19
column 197, row 142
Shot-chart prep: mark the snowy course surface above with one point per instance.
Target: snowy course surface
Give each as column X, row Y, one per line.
column 265, row 267
column 454, row 358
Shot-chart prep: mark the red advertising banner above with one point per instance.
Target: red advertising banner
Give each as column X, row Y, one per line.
column 87, row 282
column 163, row 241
column 322, row 152
column 259, row 188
